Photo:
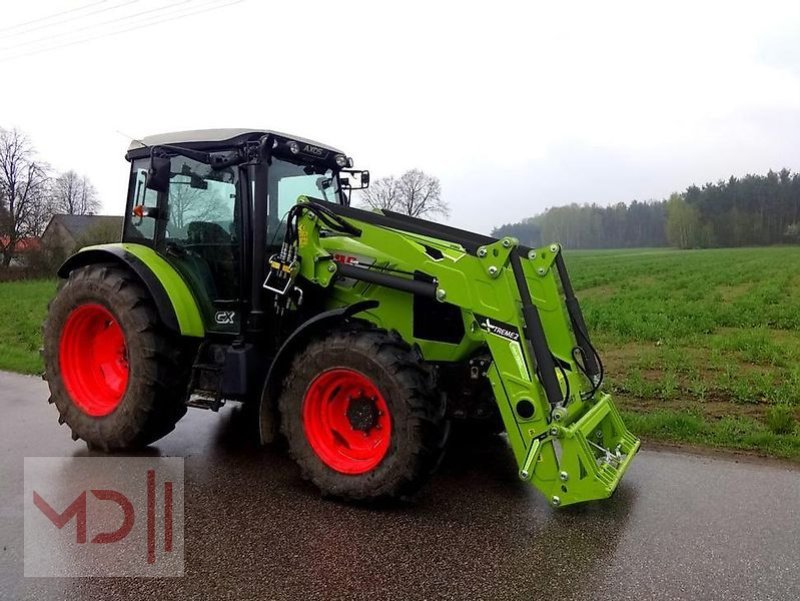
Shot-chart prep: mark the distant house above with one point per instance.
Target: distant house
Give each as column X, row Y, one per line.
column 21, row 248
column 23, row 244
column 65, row 232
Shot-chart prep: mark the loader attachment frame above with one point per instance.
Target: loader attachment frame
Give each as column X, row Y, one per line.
column 567, row 436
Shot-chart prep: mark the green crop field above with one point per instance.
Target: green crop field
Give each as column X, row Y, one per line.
column 699, row 346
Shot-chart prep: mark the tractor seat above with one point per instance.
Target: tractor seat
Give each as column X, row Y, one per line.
column 219, row 250
column 207, row 232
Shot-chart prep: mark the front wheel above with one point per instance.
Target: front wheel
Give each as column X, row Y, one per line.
column 362, row 415
column 116, row 376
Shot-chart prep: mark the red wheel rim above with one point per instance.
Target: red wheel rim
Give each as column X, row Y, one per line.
column 346, row 421
column 93, row 359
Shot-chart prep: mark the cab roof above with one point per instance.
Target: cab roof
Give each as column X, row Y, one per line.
column 207, row 139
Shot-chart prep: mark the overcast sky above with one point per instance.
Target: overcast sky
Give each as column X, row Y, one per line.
column 516, row 107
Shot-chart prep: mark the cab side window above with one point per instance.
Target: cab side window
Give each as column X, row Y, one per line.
column 202, row 229
column 140, row 229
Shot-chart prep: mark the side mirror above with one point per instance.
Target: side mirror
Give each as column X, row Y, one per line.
column 357, row 180
column 158, row 174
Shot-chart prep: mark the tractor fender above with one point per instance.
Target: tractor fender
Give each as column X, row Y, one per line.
column 267, row 418
column 175, row 304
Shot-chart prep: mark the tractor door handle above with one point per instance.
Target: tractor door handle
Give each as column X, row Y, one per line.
column 176, row 250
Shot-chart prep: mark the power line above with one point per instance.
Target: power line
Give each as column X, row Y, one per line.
column 96, row 25
column 70, row 19
column 105, row 35
column 47, row 17
column 151, row 20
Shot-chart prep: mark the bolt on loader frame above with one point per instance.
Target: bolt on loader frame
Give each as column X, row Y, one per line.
column 487, row 315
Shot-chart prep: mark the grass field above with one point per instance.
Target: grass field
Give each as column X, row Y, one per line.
column 699, row 346
column 22, row 308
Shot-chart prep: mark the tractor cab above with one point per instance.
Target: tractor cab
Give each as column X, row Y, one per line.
column 214, row 204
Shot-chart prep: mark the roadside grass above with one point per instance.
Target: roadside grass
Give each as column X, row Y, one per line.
column 690, row 427
column 23, row 306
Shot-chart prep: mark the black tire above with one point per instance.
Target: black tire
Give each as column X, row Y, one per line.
column 416, row 408
column 158, row 362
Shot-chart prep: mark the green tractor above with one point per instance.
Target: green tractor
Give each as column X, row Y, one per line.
column 244, row 275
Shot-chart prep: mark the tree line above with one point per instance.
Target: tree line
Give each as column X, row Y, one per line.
column 31, row 192
column 749, row 211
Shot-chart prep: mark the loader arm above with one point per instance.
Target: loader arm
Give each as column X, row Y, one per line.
column 567, row 436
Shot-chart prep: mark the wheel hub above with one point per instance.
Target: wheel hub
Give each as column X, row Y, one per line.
column 362, row 413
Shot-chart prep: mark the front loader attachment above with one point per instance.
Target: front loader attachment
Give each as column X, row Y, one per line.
column 515, row 305
column 592, row 454
column 567, row 435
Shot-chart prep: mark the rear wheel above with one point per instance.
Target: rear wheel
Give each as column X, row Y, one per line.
column 116, row 376
column 362, row 415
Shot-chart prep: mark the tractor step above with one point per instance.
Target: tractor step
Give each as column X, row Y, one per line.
column 202, row 401
column 205, row 385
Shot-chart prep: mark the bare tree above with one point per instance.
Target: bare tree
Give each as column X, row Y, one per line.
column 23, row 192
column 74, row 194
column 383, row 193
column 414, row 193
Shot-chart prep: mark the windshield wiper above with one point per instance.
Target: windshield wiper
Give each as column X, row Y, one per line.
column 216, row 162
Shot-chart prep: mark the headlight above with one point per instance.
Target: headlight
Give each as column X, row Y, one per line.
column 341, row 160
column 294, row 147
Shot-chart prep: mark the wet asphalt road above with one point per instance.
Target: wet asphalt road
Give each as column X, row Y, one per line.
column 681, row 526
